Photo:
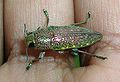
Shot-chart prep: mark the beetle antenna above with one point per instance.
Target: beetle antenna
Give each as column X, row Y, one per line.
column 25, row 30
column 27, row 54
column 88, row 16
column 25, row 34
column 47, row 16
column 100, row 57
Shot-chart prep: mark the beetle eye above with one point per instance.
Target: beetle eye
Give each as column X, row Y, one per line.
column 31, row 45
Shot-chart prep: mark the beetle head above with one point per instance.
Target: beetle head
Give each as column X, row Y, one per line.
column 29, row 38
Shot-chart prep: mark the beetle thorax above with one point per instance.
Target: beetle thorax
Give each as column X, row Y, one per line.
column 43, row 42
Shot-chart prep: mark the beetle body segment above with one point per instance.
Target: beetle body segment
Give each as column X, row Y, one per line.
column 63, row 37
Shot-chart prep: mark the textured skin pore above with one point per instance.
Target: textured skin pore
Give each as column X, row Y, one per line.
column 65, row 37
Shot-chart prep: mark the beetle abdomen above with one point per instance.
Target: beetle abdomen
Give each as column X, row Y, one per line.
column 67, row 38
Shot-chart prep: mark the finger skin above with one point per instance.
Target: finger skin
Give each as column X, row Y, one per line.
column 105, row 19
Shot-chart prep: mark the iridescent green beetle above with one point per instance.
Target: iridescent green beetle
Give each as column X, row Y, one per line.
column 61, row 38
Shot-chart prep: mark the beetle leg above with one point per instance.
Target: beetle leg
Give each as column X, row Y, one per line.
column 25, row 30
column 100, row 57
column 41, row 55
column 29, row 65
column 27, row 54
column 85, row 21
column 76, row 57
column 61, row 52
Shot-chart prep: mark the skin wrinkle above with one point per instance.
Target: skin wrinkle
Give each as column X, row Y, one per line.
column 79, row 74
